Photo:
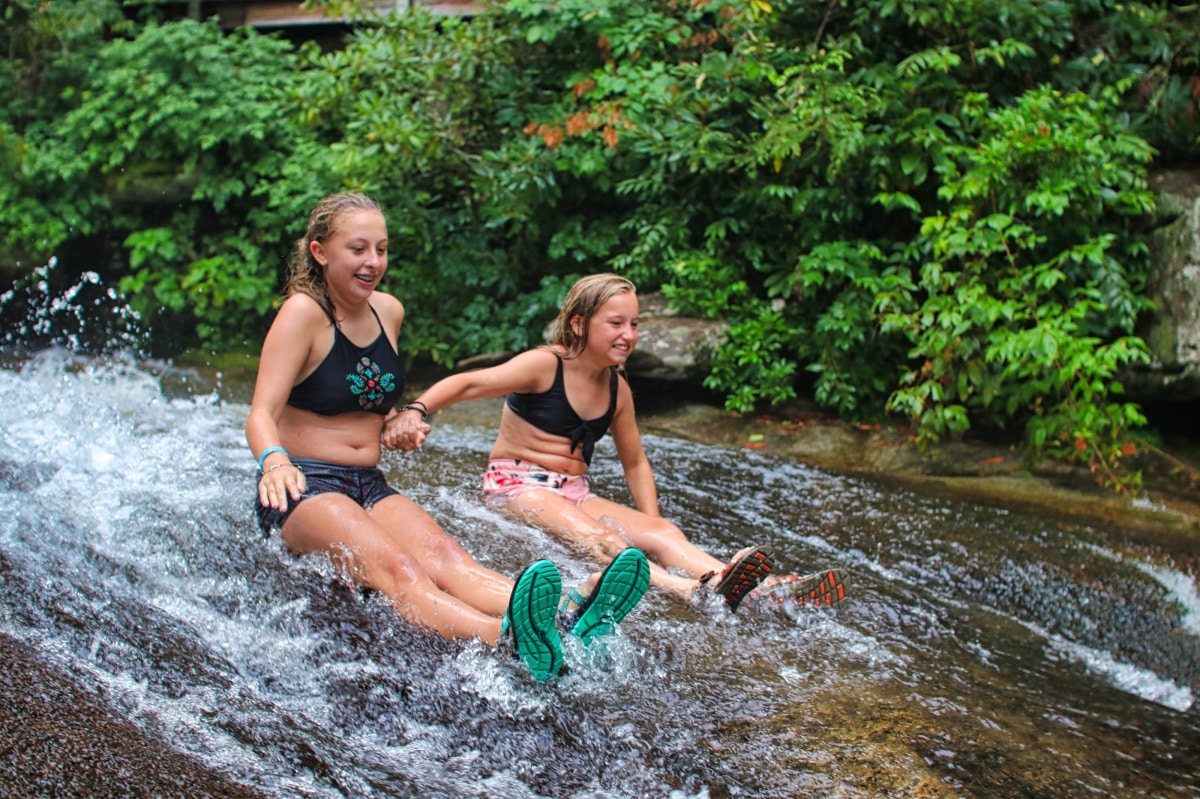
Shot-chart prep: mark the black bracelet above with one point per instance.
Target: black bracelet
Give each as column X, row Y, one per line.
column 413, row 406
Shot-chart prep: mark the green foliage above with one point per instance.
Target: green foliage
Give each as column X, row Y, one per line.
column 756, row 365
column 208, row 289
column 170, row 145
column 926, row 209
column 842, row 168
column 758, row 362
column 1020, row 297
column 203, row 109
column 50, row 47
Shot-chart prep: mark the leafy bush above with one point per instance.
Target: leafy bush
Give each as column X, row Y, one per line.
column 50, row 49
column 1021, row 291
column 171, row 147
column 926, row 209
column 197, row 110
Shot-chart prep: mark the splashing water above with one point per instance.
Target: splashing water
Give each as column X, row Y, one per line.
column 83, row 317
column 983, row 653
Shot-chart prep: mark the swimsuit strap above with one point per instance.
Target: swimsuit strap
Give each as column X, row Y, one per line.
column 338, row 327
column 378, row 321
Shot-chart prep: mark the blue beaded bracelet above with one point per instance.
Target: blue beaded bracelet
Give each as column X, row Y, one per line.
column 268, row 451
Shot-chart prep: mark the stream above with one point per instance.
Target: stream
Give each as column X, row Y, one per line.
column 984, row 652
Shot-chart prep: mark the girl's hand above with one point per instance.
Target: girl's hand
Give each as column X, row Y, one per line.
column 279, row 482
column 405, row 430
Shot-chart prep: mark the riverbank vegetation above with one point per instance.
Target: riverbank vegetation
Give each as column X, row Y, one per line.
column 929, row 210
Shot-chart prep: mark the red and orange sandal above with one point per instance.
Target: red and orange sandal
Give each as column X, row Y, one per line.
column 819, row 589
column 743, row 574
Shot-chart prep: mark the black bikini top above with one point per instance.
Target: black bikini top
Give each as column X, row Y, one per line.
column 551, row 412
column 352, row 378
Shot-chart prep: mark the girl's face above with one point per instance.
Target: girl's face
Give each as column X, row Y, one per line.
column 355, row 256
column 613, row 330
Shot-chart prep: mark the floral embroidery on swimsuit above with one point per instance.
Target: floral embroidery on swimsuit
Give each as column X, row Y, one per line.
column 369, row 385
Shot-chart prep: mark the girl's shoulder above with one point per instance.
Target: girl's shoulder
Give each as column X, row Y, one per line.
column 301, row 308
column 382, row 300
column 529, row 372
column 389, row 308
column 537, row 358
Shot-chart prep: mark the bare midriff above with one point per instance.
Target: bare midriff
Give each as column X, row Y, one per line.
column 349, row 439
column 519, row 440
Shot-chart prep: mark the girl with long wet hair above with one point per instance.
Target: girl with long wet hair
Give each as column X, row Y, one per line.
column 328, row 379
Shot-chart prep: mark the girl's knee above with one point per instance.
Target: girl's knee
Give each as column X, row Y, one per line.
column 672, row 530
column 611, row 541
column 663, row 541
column 446, row 552
column 396, row 570
column 664, row 530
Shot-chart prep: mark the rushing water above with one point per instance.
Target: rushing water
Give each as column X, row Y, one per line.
column 985, row 652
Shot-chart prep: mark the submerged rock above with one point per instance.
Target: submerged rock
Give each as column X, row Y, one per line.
column 61, row 739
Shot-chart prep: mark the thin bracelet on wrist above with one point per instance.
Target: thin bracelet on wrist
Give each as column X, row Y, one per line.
column 413, row 406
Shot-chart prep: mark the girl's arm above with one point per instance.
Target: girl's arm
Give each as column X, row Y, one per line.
column 638, row 474
column 284, row 353
column 528, row 372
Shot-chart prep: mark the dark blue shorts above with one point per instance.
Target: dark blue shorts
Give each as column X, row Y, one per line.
column 366, row 486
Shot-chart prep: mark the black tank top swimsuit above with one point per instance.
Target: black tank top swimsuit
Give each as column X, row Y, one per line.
column 353, row 378
column 551, row 412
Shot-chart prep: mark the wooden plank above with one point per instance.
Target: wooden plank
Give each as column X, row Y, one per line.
column 260, row 14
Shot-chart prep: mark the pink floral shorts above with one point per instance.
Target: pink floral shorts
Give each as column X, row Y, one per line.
column 505, row 479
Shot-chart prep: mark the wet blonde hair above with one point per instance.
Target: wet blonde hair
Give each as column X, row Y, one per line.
column 583, row 300
column 305, row 275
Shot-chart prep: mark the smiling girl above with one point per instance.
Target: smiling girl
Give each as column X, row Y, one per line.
column 328, row 377
column 560, row 399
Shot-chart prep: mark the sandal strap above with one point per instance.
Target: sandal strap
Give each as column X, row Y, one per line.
column 571, row 596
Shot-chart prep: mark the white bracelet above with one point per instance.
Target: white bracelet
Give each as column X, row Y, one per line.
column 276, row 466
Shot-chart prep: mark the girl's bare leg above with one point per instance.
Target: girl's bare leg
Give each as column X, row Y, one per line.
column 585, row 527
column 368, row 554
column 659, row 538
column 448, row 564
